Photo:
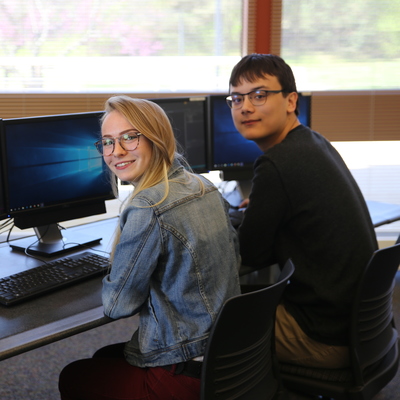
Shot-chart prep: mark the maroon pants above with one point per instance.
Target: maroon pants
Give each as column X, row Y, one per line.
column 109, row 376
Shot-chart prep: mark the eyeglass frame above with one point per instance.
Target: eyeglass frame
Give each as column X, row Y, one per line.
column 119, row 138
column 229, row 99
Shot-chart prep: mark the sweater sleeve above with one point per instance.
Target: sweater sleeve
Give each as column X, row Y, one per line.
column 268, row 208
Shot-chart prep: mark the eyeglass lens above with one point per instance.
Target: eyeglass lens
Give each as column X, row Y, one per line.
column 128, row 141
column 257, row 98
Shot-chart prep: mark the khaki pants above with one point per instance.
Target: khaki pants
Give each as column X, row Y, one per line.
column 295, row 347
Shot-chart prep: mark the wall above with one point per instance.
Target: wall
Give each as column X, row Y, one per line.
column 339, row 116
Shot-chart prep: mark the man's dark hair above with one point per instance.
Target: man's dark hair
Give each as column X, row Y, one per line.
column 256, row 66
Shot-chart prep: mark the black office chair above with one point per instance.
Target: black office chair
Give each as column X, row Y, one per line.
column 374, row 353
column 239, row 360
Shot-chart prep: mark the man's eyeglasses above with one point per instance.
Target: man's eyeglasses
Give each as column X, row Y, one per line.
column 129, row 141
column 256, row 97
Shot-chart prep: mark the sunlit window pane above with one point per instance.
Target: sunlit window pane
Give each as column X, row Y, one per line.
column 119, row 45
column 342, row 44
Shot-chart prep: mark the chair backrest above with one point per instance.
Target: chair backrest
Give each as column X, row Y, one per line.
column 238, row 360
column 373, row 332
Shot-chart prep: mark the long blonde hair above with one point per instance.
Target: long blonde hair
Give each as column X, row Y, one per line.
column 151, row 120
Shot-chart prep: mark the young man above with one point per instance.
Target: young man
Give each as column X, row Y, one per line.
column 304, row 205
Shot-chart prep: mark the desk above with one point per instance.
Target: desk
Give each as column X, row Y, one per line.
column 383, row 213
column 56, row 315
column 78, row 308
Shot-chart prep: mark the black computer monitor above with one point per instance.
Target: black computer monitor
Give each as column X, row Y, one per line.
column 188, row 116
column 305, row 108
column 53, row 173
column 3, row 212
column 232, row 154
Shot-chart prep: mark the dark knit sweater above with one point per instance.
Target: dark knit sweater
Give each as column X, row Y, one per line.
column 305, row 205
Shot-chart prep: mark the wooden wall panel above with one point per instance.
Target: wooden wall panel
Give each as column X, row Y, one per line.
column 386, row 122
column 262, row 26
column 339, row 116
column 357, row 115
column 27, row 105
column 276, row 27
column 15, row 106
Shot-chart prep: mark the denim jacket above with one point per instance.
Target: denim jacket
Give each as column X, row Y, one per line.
column 175, row 265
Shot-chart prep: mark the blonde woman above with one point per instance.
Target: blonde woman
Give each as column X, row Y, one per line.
column 174, row 262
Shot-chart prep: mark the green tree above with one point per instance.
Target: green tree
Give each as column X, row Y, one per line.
column 351, row 29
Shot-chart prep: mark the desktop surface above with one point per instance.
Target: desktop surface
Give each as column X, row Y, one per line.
column 55, row 315
column 383, row 213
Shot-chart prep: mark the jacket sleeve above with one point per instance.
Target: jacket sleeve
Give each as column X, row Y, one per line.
column 127, row 286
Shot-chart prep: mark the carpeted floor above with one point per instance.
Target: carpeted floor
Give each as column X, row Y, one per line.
column 34, row 375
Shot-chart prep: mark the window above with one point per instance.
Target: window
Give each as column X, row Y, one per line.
column 375, row 167
column 118, row 46
column 342, row 44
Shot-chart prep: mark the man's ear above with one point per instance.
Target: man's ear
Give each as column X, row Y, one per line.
column 292, row 101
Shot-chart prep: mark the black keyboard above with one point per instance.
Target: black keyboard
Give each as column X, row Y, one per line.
column 50, row 276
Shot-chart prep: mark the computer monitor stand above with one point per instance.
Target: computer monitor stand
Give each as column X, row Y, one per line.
column 50, row 241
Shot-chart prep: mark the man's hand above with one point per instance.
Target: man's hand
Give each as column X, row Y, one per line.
column 244, row 203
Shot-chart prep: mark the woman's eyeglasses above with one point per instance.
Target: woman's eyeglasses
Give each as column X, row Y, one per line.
column 129, row 141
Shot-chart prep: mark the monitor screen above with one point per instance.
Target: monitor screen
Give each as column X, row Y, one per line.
column 231, row 153
column 3, row 212
column 189, row 121
column 53, row 174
